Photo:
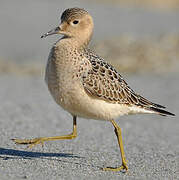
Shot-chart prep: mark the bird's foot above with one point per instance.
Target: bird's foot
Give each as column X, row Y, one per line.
column 29, row 142
column 122, row 167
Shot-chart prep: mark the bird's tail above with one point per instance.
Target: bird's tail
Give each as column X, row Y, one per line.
column 161, row 111
column 153, row 107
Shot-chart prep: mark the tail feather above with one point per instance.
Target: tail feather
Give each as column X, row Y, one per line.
column 161, row 111
column 159, row 106
column 146, row 102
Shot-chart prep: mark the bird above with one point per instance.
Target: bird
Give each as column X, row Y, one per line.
column 85, row 85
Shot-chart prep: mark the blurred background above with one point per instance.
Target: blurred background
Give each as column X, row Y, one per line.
column 139, row 36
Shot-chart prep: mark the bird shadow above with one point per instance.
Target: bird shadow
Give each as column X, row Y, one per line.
column 6, row 154
column 9, row 154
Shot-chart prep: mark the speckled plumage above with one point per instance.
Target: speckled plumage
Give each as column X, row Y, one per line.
column 79, row 80
column 84, row 84
column 105, row 82
column 68, row 14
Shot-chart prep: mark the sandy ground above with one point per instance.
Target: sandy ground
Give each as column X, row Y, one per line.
column 27, row 110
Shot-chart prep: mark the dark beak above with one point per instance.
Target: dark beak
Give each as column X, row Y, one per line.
column 53, row 31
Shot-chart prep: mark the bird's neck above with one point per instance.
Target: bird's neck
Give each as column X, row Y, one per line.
column 77, row 42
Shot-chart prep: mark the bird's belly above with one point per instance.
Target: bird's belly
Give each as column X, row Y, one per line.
column 77, row 102
column 72, row 97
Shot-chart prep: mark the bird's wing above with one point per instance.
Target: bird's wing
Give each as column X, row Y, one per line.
column 104, row 82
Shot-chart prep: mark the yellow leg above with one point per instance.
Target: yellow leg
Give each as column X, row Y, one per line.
column 118, row 133
column 41, row 140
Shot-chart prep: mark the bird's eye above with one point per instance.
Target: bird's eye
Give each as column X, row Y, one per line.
column 75, row 22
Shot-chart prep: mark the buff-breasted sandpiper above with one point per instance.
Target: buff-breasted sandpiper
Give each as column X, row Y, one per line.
column 83, row 84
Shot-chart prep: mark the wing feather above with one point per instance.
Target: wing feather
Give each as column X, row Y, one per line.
column 104, row 82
